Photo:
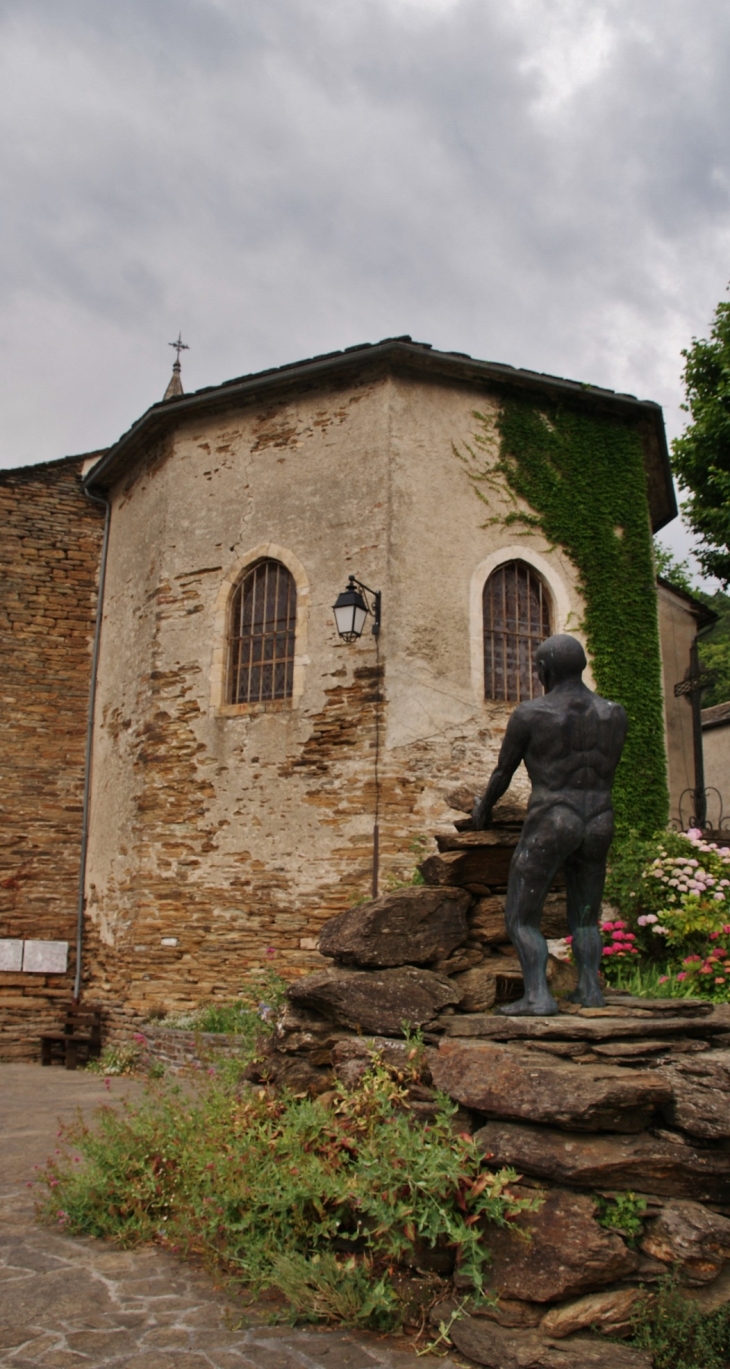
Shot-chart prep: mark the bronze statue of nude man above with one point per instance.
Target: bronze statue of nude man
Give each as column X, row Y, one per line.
column 571, row 742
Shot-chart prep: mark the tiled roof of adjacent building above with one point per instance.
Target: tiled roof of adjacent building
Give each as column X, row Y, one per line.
column 718, row 716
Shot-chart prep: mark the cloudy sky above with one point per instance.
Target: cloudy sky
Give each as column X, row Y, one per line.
column 539, row 182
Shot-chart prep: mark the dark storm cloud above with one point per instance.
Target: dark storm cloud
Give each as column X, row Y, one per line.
column 542, row 182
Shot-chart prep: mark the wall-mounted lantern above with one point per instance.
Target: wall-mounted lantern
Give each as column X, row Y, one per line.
column 351, row 608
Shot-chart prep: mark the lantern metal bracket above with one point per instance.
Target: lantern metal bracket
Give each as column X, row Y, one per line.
column 375, row 594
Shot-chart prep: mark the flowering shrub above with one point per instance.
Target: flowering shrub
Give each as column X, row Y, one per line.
column 619, row 945
column 707, row 975
column 690, row 894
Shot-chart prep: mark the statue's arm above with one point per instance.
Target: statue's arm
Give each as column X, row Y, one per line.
column 511, row 753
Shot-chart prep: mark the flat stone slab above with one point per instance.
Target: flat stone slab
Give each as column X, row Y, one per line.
column 672, row 1007
column 377, row 1001
column 643, row 1163
column 582, row 1026
column 503, row 1081
column 495, row 1347
column 413, row 926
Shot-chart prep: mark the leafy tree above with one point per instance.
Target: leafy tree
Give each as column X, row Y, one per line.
column 701, row 456
column 715, row 648
column 677, row 573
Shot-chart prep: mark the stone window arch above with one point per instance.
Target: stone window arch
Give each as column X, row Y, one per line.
column 226, row 628
column 516, row 618
column 262, row 634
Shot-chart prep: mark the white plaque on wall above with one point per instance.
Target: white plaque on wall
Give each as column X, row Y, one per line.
column 45, row 957
column 11, row 954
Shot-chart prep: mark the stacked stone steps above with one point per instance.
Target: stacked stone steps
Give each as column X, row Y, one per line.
column 630, row 1098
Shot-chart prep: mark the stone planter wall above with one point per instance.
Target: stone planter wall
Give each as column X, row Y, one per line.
column 180, row 1050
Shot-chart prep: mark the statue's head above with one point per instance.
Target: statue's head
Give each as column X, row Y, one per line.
column 559, row 658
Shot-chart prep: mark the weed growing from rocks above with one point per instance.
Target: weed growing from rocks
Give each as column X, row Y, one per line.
column 337, row 1206
column 249, row 1016
column 679, row 1334
column 625, row 1213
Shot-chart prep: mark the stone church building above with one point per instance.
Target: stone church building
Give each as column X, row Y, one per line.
column 222, row 804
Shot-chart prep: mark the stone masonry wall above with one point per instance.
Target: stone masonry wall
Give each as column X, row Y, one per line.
column 223, row 837
column 49, row 553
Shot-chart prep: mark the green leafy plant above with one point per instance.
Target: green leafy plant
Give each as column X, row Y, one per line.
column 624, row 1212
column 678, row 1333
column 647, row 980
column 701, row 456
column 250, row 1015
column 676, row 573
column 244, row 1180
column 124, row 1058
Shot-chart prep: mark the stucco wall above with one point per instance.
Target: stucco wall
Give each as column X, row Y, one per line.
column 716, row 750
column 49, row 554
column 677, row 629
column 227, row 832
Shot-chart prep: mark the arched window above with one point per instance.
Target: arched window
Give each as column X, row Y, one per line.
column 516, row 621
column 261, row 634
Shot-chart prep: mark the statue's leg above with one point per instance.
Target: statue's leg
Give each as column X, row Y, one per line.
column 547, row 838
column 585, row 876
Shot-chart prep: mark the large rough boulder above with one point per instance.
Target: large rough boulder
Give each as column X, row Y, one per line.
column 701, row 1095
column 414, row 926
column 491, row 1345
column 652, row 1164
column 689, row 1236
column 557, row 1251
column 506, row 1081
column 376, row 1001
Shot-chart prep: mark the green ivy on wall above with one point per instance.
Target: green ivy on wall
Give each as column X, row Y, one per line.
column 582, row 477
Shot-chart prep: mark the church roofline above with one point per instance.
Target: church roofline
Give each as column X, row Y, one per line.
column 417, row 358
column 702, row 612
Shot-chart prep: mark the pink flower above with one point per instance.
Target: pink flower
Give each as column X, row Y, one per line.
column 682, row 974
column 270, row 951
column 664, row 977
column 718, row 898
column 694, row 834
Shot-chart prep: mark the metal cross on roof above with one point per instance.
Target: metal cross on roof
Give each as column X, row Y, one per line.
column 179, row 346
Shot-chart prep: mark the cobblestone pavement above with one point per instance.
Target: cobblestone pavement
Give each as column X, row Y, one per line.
column 67, row 1303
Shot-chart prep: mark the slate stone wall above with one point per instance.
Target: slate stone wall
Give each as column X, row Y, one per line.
column 49, row 556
